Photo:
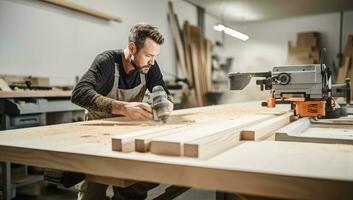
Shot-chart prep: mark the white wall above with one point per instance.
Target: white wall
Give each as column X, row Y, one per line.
column 347, row 28
column 268, row 42
column 44, row 40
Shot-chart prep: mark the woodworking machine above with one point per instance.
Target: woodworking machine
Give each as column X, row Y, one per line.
column 306, row 87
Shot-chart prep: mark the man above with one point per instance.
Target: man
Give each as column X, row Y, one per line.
column 115, row 84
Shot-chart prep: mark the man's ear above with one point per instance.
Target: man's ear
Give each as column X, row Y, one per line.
column 132, row 48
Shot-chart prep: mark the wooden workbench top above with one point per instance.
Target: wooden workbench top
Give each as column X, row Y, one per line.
column 269, row 168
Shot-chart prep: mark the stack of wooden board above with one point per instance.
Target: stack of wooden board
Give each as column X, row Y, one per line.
column 201, row 140
column 20, row 80
column 346, row 70
column 307, row 49
column 193, row 53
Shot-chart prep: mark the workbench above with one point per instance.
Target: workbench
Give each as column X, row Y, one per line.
column 267, row 168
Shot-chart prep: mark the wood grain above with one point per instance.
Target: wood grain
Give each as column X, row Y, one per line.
column 281, row 169
column 173, row 145
column 304, row 131
column 264, row 129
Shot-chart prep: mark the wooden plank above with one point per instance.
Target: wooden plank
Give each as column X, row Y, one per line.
column 281, row 169
column 4, row 86
column 82, row 9
column 296, row 127
column 343, row 70
column 173, row 145
column 187, row 51
column 266, row 128
column 300, row 49
column 126, row 142
column 208, row 65
column 208, row 146
column 349, row 46
column 20, row 80
column 143, row 142
column 338, row 121
column 303, row 131
column 109, row 181
column 196, row 62
column 35, row 94
column 220, row 141
column 174, row 25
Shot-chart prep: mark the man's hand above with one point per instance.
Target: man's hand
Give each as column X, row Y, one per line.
column 133, row 110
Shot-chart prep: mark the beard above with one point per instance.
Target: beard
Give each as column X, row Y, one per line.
column 141, row 69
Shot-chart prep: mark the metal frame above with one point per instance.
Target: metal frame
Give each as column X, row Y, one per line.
column 6, row 180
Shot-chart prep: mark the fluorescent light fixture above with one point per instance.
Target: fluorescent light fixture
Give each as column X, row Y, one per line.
column 231, row 32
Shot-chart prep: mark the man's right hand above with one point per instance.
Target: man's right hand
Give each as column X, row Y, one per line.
column 133, row 110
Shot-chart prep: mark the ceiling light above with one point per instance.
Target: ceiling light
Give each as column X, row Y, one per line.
column 231, row 32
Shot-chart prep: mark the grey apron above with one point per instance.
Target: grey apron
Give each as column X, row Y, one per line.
column 135, row 94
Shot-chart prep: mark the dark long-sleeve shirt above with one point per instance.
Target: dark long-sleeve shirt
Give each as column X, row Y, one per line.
column 98, row 81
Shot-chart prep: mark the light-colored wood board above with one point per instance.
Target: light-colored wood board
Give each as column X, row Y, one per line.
column 348, row 120
column 174, row 25
column 266, row 128
column 34, row 94
column 4, row 86
column 342, row 73
column 343, row 133
column 195, row 37
column 212, row 145
column 208, row 65
column 349, row 46
column 281, row 169
column 277, row 176
column 82, row 9
column 296, row 127
column 173, row 145
column 143, row 142
column 126, row 142
column 187, row 51
column 300, row 49
column 220, row 141
column 109, row 181
column 101, row 131
column 303, row 131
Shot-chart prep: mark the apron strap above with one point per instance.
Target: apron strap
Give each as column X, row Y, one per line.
column 143, row 79
column 113, row 94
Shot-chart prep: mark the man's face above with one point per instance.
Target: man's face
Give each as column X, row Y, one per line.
column 146, row 56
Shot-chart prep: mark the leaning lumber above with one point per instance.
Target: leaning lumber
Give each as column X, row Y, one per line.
column 174, row 25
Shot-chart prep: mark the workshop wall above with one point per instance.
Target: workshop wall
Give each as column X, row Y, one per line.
column 268, row 45
column 44, row 40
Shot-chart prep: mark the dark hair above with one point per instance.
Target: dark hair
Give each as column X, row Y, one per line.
column 141, row 31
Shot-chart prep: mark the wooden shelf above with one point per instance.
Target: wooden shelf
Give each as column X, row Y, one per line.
column 82, row 9
column 34, row 94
